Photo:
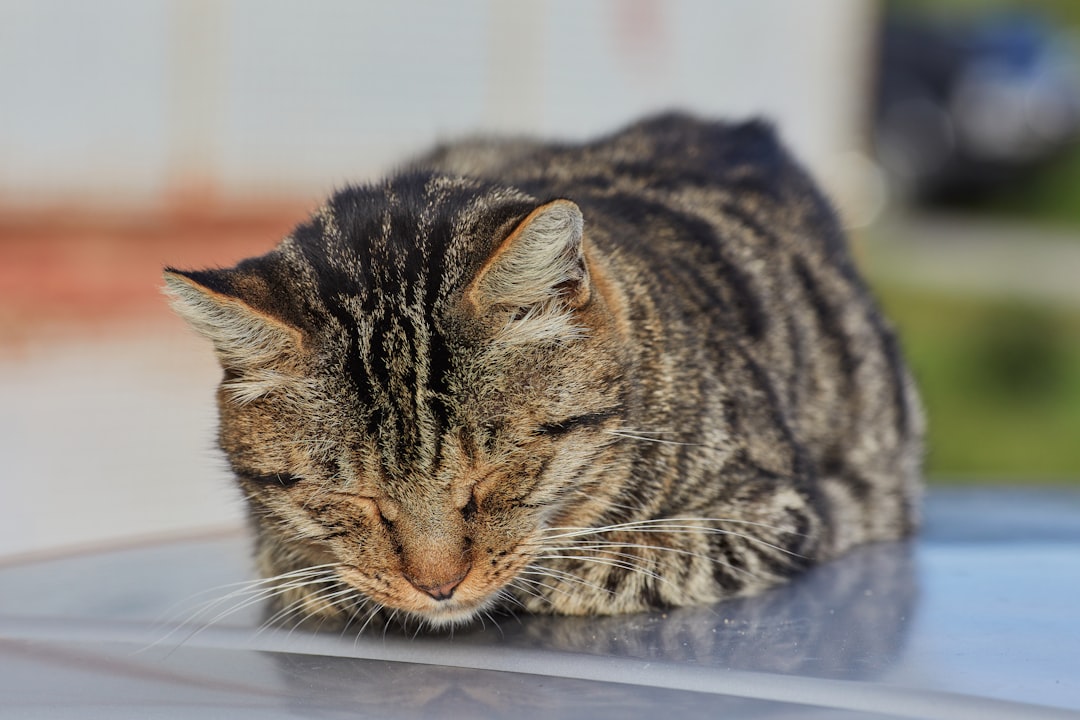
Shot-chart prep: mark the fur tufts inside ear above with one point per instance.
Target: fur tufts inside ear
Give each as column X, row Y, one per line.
column 540, row 263
column 247, row 341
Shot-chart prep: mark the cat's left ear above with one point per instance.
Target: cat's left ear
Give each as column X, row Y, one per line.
column 540, row 263
column 227, row 307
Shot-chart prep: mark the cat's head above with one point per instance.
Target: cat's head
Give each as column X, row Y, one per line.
column 419, row 387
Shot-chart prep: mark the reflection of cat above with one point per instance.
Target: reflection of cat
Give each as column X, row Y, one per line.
column 844, row 620
column 599, row 378
column 332, row 686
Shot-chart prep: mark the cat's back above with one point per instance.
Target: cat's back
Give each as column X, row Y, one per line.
column 715, row 221
column 665, row 152
column 728, row 175
column 725, row 242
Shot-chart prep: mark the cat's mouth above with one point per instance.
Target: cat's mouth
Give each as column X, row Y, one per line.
column 449, row 613
column 445, row 613
column 463, row 605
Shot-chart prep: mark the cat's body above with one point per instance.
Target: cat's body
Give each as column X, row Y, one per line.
column 600, row 378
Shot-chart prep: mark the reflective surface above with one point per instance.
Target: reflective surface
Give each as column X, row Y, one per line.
column 977, row 618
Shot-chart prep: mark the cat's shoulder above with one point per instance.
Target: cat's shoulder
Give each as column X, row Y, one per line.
column 674, row 144
column 678, row 132
column 683, row 147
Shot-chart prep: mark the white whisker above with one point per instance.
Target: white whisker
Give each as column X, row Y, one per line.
column 635, row 524
column 620, row 564
column 643, row 438
column 562, row 576
column 673, row 526
column 605, row 547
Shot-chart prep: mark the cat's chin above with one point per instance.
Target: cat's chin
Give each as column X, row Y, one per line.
column 449, row 615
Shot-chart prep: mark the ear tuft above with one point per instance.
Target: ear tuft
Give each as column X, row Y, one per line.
column 247, row 341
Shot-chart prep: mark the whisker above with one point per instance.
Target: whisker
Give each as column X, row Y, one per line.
column 386, row 625
column 242, row 586
column 372, row 614
column 634, row 524
column 636, row 431
column 264, row 595
column 563, row 576
column 246, row 594
column 353, row 608
column 673, row 526
column 603, row 546
column 503, row 596
column 671, row 550
column 643, row 438
column 493, row 622
column 535, row 587
column 529, row 591
column 620, row 564
column 278, row 617
column 608, row 549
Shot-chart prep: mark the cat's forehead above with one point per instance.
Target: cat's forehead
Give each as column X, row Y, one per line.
column 381, row 266
column 416, row 231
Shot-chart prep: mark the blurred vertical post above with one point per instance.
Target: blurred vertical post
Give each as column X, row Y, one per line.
column 515, row 74
column 197, row 81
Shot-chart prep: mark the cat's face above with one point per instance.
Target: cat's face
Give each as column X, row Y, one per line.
column 421, row 437
column 435, row 521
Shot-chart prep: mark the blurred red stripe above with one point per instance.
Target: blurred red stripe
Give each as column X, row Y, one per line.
column 76, row 266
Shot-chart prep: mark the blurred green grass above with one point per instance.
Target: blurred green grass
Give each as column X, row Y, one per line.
column 1000, row 379
column 1059, row 11
column 1049, row 196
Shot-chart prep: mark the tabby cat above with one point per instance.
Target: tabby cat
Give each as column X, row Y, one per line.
column 595, row 378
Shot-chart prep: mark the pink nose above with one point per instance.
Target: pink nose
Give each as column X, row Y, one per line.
column 438, row 591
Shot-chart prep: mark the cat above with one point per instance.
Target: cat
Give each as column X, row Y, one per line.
column 587, row 379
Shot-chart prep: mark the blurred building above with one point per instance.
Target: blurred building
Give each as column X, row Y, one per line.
column 206, row 129
column 122, row 102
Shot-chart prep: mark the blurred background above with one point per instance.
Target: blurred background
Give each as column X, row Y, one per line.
column 140, row 133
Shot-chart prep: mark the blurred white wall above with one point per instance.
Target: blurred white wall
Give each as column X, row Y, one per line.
column 122, row 101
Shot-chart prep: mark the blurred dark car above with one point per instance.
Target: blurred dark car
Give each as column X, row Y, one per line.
column 965, row 109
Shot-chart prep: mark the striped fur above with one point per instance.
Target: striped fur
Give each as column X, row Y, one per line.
column 636, row 373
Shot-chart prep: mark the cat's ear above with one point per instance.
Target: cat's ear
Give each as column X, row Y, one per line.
column 223, row 306
column 541, row 263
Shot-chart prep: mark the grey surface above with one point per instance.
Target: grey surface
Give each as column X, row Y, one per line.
column 978, row 618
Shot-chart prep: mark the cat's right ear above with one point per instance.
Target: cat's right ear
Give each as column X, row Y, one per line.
column 541, row 261
column 222, row 307
column 537, row 278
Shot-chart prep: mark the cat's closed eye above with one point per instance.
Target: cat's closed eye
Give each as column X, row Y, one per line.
column 282, row 479
column 384, row 511
column 562, row 427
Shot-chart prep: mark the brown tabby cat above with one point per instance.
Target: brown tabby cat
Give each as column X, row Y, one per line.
column 635, row 373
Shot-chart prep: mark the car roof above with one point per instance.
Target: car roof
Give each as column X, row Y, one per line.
column 976, row 617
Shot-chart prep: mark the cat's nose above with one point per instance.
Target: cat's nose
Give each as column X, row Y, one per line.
column 438, row 590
